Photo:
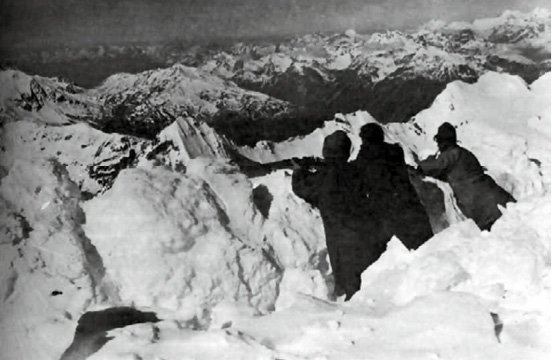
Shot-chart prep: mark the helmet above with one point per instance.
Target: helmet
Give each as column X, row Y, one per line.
column 337, row 145
column 445, row 133
column 371, row 133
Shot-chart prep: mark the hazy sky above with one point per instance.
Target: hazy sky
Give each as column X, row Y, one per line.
column 83, row 22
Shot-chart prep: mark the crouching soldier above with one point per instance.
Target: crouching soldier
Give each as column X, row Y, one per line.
column 476, row 193
column 351, row 232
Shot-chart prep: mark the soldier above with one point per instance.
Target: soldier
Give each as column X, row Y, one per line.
column 476, row 193
column 352, row 234
column 391, row 196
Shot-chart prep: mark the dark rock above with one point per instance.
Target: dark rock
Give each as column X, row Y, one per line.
column 91, row 332
column 262, row 198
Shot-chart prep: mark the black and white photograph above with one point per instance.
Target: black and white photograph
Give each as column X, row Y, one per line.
column 275, row 180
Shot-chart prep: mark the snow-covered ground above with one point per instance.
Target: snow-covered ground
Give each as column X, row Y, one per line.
column 236, row 268
column 435, row 303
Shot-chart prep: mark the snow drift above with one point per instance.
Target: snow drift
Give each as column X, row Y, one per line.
column 464, row 294
column 166, row 241
column 50, row 271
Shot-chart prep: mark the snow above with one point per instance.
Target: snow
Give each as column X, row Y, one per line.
column 281, row 63
column 230, row 281
column 46, row 262
column 350, row 33
column 341, row 62
column 179, row 85
column 48, row 98
column 463, row 294
column 15, row 82
column 76, row 146
column 175, row 252
column 511, row 18
column 293, row 246
column 309, row 145
column 432, row 303
column 192, row 139
column 502, row 120
column 471, row 49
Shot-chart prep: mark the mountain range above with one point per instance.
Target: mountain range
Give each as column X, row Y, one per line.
column 393, row 74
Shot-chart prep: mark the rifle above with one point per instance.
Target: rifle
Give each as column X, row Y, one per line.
column 253, row 168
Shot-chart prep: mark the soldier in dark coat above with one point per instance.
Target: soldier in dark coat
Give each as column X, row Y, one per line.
column 351, row 233
column 391, row 196
column 476, row 193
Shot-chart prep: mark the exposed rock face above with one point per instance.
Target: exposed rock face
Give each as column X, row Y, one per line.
column 92, row 328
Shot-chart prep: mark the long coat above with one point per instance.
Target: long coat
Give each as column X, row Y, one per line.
column 352, row 235
column 476, row 193
column 392, row 198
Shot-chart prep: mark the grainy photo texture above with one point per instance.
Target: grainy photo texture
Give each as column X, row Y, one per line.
column 275, row 180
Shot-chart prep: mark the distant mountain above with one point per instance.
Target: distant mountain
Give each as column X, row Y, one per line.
column 376, row 72
column 100, row 131
column 259, row 92
column 273, row 91
column 326, row 74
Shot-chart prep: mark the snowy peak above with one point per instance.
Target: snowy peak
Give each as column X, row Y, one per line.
column 136, row 104
column 343, row 73
column 179, row 85
column 515, row 28
column 531, row 23
column 512, row 27
column 58, row 102
column 321, row 74
column 191, row 139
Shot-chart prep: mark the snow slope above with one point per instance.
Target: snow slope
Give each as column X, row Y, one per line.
column 50, row 271
column 43, row 99
column 89, row 155
column 209, row 243
column 237, row 268
column 167, row 241
column 504, row 121
column 437, row 302
column 182, row 86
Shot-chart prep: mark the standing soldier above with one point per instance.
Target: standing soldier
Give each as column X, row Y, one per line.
column 391, row 196
column 352, row 235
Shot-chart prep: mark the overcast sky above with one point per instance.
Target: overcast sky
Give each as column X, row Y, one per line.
column 84, row 22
